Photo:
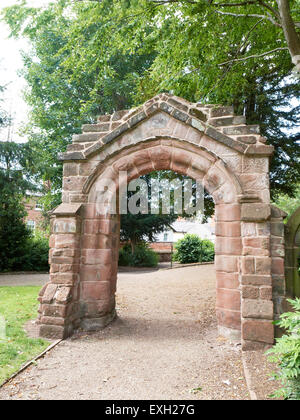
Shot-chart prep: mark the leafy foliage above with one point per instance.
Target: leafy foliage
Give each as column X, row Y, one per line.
column 142, row 256
column 91, row 57
column 62, row 96
column 16, row 163
column 207, row 251
column 36, row 253
column 287, row 203
column 13, row 233
column 18, row 250
column 191, row 249
column 286, row 353
column 137, row 228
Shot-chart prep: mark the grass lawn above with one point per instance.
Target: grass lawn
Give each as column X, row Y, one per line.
column 17, row 306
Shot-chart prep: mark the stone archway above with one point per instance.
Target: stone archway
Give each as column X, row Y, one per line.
column 205, row 142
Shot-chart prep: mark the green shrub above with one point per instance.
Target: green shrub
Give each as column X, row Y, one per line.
column 14, row 234
column 191, row 249
column 36, row 253
column 286, row 353
column 208, row 251
column 143, row 256
column 33, row 256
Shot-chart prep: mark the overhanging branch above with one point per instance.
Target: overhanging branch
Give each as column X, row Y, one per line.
column 254, row 56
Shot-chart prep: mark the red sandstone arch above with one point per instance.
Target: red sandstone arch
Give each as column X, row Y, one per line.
column 203, row 142
column 217, row 179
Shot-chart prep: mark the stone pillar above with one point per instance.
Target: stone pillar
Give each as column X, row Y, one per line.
column 59, row 312
column 98, row 269
column 228, row 251
column 256, row 278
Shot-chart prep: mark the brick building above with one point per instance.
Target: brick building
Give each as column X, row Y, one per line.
column 34, row 212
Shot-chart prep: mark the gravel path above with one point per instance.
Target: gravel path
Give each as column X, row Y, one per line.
column 23, row 279
column 164, row 345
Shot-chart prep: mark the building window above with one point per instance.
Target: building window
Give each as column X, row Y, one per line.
column 165, row 237
column 31, row 224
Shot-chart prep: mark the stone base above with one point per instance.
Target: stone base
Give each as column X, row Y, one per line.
column 254, row 345
column 55, row 332
column 231, row 334
column 94, row 324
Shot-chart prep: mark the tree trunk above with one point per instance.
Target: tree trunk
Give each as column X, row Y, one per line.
column 133, row 245
column 290, row 33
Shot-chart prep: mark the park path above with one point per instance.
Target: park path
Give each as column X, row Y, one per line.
column 163, row 345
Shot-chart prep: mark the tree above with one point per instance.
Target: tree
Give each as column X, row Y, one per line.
column 277, row 13
column 191, row 248
column 231, row 52
column 15, row 162
column 61, row 99
column 137, row 228
column 287, row 203
column 140, row 227
column 13, row 232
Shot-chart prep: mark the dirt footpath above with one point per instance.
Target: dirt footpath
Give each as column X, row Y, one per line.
column 164, row 345
column 24, row 279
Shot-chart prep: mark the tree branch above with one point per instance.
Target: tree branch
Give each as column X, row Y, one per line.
column 270, row 8
column 251, row 15
column 173, row 1
column 290, row 33
column 254, row 56
column 243, row 3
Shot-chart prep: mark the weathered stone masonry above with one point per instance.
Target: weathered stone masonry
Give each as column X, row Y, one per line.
column 205, row 142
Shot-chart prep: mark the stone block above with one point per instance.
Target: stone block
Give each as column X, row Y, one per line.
column 50, row 320
column 228, row 229
column 221, row 111
column 257, row 308
column 54, row 310
column 97, row 290
column 255, row 212
column 226, row 263
column 278, row 266
column 229, row 319
column 70, row 169
column 64, row 278
column 98, row 241
column 227, row 280
column 256, row 280
column 248, row 265
column 161, row 157
column 53, row 332
column 228, row 212
column 263, row 265
column 228, row 299
column 248, row 229
column 228, row 246
column 250, row 292
column 266, row 293
column 96, row 256
column 49, row 293
column 256, row 330
column 63, row 295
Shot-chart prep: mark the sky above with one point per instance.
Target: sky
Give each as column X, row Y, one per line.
column 10, row 64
